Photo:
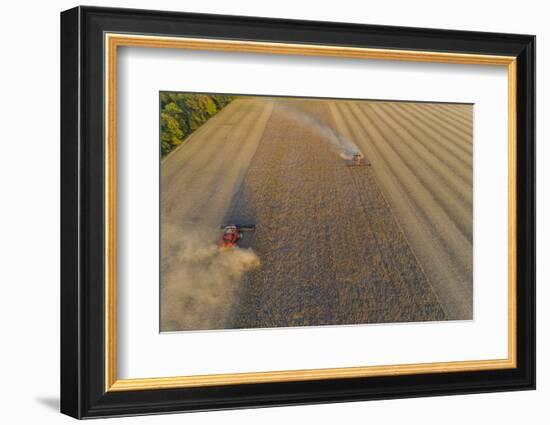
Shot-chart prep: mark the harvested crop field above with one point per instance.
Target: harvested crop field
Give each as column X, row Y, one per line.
column 390, row 242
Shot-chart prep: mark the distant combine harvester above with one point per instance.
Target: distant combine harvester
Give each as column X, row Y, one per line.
column 357, row 160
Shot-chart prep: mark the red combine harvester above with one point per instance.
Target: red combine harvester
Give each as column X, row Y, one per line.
column 232, row 233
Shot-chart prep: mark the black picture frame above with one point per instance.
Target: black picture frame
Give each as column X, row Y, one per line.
column 83, row 392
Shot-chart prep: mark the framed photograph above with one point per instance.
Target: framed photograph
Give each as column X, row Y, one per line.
column 261, row 212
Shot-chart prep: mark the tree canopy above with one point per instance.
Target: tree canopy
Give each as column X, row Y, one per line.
column 183, row 113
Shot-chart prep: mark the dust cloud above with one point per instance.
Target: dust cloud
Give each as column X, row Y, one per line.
column 340, row 144
column 198, row 279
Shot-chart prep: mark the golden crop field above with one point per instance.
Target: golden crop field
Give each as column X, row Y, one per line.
column 334, row 244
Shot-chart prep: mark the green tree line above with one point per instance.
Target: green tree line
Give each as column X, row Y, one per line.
column 183, row 113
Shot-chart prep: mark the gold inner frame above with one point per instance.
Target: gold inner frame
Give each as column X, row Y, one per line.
column 113, row 41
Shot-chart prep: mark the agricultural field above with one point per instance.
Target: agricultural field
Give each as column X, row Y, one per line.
column 334, row 244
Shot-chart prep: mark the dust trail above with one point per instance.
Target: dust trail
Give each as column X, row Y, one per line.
column 198, row 280
column 340, row 144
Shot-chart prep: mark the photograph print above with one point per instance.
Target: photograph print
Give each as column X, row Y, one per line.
column 291, row 212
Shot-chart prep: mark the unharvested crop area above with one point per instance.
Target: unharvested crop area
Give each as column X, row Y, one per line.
column 333, row 244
